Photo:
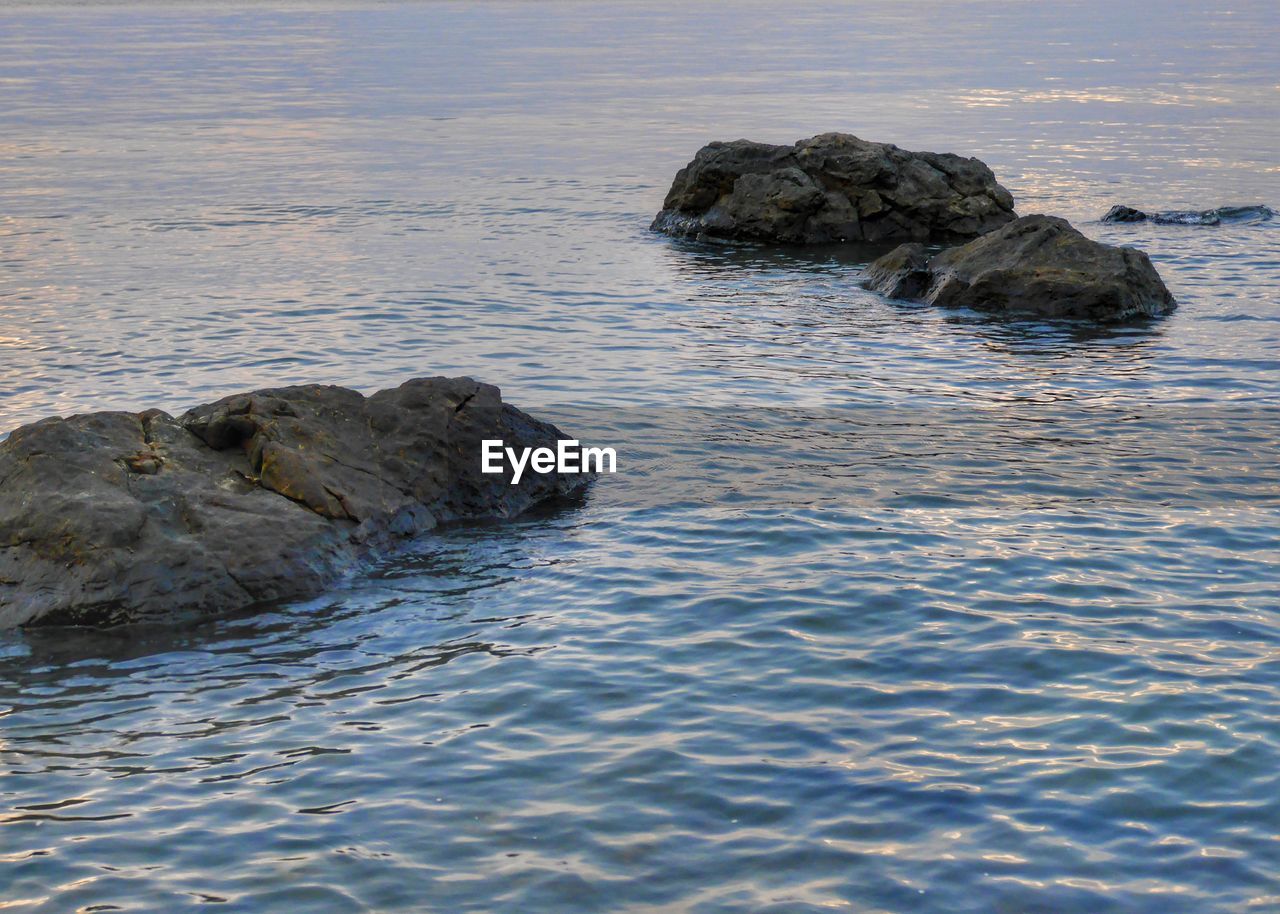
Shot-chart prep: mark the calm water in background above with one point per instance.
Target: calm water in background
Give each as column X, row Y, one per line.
column 890, row 609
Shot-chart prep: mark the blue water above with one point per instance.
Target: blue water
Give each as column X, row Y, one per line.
column 888, row 608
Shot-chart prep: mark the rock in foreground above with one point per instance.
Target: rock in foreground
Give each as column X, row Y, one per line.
column 1036, row 265
column 1257, row 213
column 114, row 517
column 833, row 187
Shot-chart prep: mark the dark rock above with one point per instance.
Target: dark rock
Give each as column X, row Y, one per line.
column 1036, row 265
column 833, row 187
column 1124, row 214
column 261, row 497
column 1257, row 213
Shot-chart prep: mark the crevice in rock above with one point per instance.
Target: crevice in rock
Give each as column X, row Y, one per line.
column 249, row 594
column 341, row 500
column 145, row 421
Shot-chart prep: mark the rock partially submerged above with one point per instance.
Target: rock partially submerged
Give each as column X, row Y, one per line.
column 833, row 187
column 1257, row 213
column 1036, row 265
column 261, row 497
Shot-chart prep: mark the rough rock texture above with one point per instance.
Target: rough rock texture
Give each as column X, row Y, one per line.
column 1257, row 213
column 1036, row 265
column 266, row 496
column 833, row 187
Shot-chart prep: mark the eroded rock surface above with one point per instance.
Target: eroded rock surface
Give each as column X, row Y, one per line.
column 259, row 497
column 1036, row 265
column 832, row 187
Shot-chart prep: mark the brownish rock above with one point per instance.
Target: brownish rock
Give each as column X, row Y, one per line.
column 1037, row 265
column 832, row 187
column 257, row 498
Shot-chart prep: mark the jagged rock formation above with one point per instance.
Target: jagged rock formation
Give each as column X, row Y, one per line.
column 1256, row 213
column 832, row 187
column 257, row 498
column 1036, row 265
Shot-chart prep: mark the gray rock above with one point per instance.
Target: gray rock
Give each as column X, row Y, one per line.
column 1256, row 213
column 1037, row 265
column 833, row 187
column 261, row 497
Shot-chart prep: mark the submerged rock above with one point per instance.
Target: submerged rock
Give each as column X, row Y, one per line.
column 260, row 497
column 1037, row 265
column 833, row 187
column 1257, row 213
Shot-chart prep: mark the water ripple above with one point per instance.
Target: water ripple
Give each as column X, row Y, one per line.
column 890, row 609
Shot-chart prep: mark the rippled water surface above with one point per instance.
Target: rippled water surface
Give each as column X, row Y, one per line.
column 889, row 608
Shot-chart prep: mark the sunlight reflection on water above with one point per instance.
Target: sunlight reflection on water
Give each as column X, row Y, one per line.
column 943, row 663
